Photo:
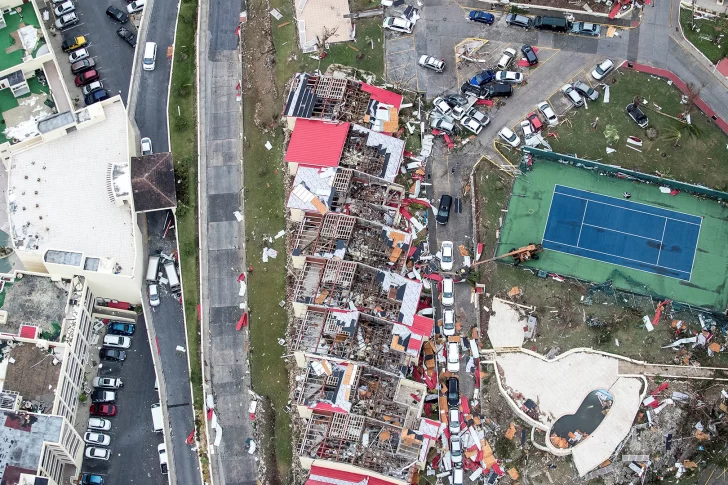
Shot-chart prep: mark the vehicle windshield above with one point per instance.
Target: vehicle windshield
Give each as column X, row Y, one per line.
column 447, row 255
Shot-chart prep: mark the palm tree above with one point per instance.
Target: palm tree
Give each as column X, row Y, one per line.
column 673, row 135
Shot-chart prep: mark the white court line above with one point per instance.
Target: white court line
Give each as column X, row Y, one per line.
column 622, row 232
column 695, row 252
column 659, row 253
column 616, row 256
column 548, row 216
column 627, row 208
column 583, row 216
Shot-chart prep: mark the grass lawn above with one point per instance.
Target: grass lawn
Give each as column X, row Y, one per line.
column 702, row 38
column 699, row 160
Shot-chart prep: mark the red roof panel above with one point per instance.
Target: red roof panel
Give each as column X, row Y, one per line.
column 317, row 144
column 28, row 331
column 422, row 326
column 382, row 95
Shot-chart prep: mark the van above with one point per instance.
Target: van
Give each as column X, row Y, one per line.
column 152, row 268
column 171, row 272
column 157, row 419
column 555, row 24
column 150, row 55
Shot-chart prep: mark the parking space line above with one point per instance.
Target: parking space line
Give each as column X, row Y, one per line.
column 410, row 49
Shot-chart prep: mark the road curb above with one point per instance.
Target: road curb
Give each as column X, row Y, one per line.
column 135, row 74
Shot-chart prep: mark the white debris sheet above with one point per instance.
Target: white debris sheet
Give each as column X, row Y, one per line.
column 269, row 253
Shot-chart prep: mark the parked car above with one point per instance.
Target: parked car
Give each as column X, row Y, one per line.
column 457, row 476
column 102, row 410
column 443, row 125
column 163, row 464
column 548, row 112
column 506, row 59
column 66, row 20
column 78, row 55
column 100, row 424
column 456, row 451
column 93, row 438
column 95, row 453
column 81, row 66
column 448, row 322
column 117, row 341
column 586, row 28
column 153, row 291
column 121, row 328
column 483, row 77
column 64, row 8
column 478, row 116
column 637, row 115
column 87, row 77
column 453, row 357
column 529, row 54
column 442, row 106
column 471, row 125
column 448, row 292
column 101, row 396
column 457, row 101
column 572, row 95
column 453, row 418
column 443, row 209
column 107, row 382
column 95, row 96
column 527, row 129
column 519, row 20
column 453, row 392
column 602, row 69
column 127, row 35
column 511, row 77
column 398, row 24
column 496, row 90
column 92, row 479
column 509, row 137
column 586, row 90
column 91, row 87
column 135, row 6
column 432, row 63
column 146, row 146
column 73, row 43
column 114, row 355
column 535, row 121
column 477, row 91
column 117, row 14
column 482, row 17
column 446, row 255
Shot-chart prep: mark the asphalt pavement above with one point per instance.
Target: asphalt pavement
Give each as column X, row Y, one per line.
column 133, row 441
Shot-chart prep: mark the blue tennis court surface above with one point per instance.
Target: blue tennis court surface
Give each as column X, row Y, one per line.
column 622, row 232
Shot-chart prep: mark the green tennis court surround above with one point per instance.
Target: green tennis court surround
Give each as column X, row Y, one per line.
column 702, row 284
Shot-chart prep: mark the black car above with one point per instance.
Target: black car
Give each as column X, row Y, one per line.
column 443, row 210
column 117, row 14
column 453, row 392
column 104, row 397
column 497, row 90
column 114, row 355
column 477, row 91
column 530, row 56
column 84, row 65
column 121, row 328
column 519, row 20
column 637, row 115
column 456, row 100
column 127, row 35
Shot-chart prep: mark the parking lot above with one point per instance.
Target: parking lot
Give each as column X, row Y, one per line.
column 133, row 442
column 113, row 56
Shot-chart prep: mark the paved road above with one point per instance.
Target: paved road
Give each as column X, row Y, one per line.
column 222, row 239
column 170, row 331
column 132, row 437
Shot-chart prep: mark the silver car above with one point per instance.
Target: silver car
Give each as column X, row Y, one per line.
column 64, row 8
column 66, row 21
column 602, row 69
column 586, row 90
column 432, row 63
column 478, row 116
column 548, row 113
column 572, row 95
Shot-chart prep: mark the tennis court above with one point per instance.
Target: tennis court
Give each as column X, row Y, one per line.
column 622, row 232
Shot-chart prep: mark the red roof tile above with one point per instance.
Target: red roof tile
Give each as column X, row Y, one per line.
column 382, row 95
column 422, row 326
column 347, row 478
column 317, row 144
column 28, row 331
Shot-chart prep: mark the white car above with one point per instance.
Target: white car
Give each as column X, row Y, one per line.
column 64, row 8
column 458, row 112
column 93, row 438
column 107, row 382
column 511, row 77
column 448, row 322
column 548, row 113
column 506, row 59
column 453, row 357
column 446, row 255
column 162, row 450
column 602, row 69
column 471, row 125
column 433, row 63
column 90, row 88
column 398, row 24
column 572, row 95
column 153, row 291
column 456, row 451
column 442, row 106
column 527, row 129
column 95, row 453
column 509, row 137
column 78, row 55
column 453, row 416
column 135, row 6
column 117, row 341
column 66, row 21
column 478, row 116
column 146, row 146
column 448, row 292
column 100, row 424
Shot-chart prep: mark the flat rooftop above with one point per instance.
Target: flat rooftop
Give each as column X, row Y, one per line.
column 22, row 36
column 21, row 441
column 34, row 301
column 64, row 195
column 21, row 114
column 30, row 371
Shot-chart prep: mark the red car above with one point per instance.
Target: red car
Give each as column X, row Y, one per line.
column 535, row 121
column 87, row 77
column 102, row 410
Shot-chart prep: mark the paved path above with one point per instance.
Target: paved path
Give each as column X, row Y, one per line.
column 222, row 239
column 686, row 372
